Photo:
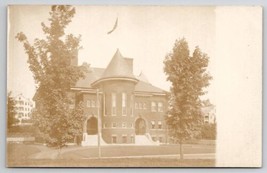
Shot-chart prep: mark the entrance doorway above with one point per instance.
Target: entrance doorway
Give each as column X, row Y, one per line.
column 140, row 126
column 92, row 126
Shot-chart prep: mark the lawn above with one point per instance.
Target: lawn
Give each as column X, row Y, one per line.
column 115, row 162
column 114, row 151
column 19, row 152
column 19, row 156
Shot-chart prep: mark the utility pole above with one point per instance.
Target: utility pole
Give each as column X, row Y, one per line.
column 98, row 124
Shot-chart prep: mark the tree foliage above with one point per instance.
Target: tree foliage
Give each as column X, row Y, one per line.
column 11, row 112
column 188, row 77
column 50, row 60
column 208, row 131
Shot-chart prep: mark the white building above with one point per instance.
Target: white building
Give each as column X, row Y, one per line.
column 23, row 107
column 209, row 113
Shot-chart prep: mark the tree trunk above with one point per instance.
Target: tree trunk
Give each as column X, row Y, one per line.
column 59, row 151
column 181, row 151
column 75, row 140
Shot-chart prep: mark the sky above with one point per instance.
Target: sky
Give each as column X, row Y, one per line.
column 144, row 33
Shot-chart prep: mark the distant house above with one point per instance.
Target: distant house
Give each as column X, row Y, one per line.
column 23, row 107
column 209, row 112
column 126, row 108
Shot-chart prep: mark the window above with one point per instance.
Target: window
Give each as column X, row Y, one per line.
column 140, row 106
column 132, row 105
column 160, row 107
column 113, row 109
column 153, row 107
column 144, row 105
column 105, row 125
column 92, row 103
column 123, row 125
column 124, row 139
column 124, row 99
column 159, row 125
column 114, row 125
column 114, row 139
column 154, row 138
column 160, row 139
column 131, row 111
column 132, row 138
column 88, row 103
column 136, row 105
column 152, row 124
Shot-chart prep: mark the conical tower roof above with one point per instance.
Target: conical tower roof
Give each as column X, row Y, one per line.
column 119, row 67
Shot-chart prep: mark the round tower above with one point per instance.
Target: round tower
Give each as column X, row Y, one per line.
column 117, row 86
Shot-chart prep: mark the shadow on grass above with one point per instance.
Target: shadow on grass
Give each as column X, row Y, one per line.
column 114, row 162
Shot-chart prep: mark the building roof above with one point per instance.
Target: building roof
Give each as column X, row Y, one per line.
column 207, row 109
column 143, row 86
column 21, row 97
column 90, row 77
column 142, row 77
column 119, row 66
column 95, row 74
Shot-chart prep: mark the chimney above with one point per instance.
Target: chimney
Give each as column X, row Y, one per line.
column 130, row 64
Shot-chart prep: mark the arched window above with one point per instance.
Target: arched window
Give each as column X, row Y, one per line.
column 124, row 101
column 113, row 104
column 153, row 107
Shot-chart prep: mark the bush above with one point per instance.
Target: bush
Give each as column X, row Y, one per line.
column 208, row 131
column 26, row 121
column 22, row 131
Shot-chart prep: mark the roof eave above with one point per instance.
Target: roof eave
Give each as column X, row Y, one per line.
column 94, row 84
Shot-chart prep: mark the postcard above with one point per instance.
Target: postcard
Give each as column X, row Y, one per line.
column 134, row 86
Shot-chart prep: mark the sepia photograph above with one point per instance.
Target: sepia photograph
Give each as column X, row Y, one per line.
column 119, row 86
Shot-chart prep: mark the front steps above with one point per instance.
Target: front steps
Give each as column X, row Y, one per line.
column 144, row 140
column 92, row 140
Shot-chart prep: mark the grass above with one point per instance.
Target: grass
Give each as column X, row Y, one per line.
column 20, row 151
column 117, row 162
column 109, row 151
column 18, row 156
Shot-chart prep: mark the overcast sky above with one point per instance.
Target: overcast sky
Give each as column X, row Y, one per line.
column 145, row 34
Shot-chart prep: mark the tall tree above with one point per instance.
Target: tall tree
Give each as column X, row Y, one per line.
column 11, row 112
column 50, row 61
column 188, row 76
